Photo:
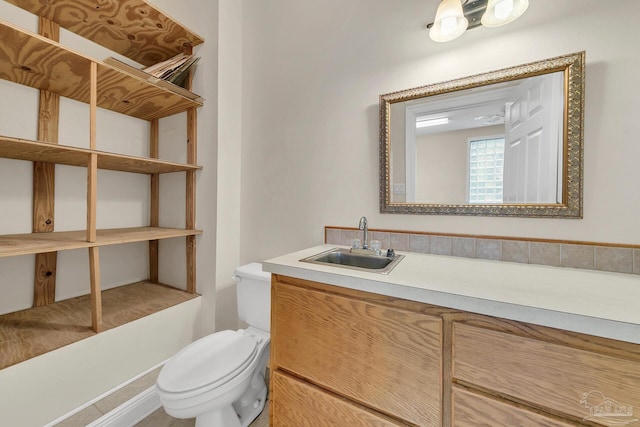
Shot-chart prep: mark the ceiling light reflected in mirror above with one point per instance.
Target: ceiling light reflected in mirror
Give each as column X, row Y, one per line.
column 423, row 122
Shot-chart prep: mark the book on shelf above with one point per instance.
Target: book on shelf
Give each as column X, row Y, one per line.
column 141, row 73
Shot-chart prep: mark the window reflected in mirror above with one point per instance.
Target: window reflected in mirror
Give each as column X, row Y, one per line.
column 485, row 170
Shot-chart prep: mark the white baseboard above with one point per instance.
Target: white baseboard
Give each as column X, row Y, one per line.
column 102, row 396
column 132, row 411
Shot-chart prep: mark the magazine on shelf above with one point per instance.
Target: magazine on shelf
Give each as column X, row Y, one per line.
column 155, row 80
column 179, row 75
column 164, row 69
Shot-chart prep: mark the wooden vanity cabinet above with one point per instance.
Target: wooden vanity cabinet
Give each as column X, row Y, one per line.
column 590, row 380
column 472, row 410
column 341, row 357
column 300, row 403
column 353, row 355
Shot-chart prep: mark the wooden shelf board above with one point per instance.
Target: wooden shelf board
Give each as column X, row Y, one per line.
column 35, row 61
column 133, row 28
column 35, row 151
column 34, row 243
column 35, row 331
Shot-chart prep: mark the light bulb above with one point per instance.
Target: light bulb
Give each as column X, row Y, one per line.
column 503, row 9
column 448, row 25
column 501, row 12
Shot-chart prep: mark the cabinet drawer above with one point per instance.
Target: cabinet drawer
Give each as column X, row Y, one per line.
column 386, row 358
column 576, row 382
column 296, row 403
column 473, row 410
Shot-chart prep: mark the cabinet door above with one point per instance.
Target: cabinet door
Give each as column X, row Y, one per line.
column 386, row 358
column 598, row 388
column 473, row 410
column 296, row 403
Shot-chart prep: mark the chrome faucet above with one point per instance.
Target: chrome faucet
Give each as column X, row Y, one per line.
column 365, row 228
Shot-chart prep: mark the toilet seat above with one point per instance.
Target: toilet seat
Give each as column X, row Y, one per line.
column 208, row 363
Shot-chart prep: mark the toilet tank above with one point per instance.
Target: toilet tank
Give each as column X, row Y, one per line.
column 253, row 288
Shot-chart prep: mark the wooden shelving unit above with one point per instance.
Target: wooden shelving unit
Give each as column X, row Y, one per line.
column 133, row 28
column 29, row 333
column 35, row 151
column 32, row 60
column 37, row 243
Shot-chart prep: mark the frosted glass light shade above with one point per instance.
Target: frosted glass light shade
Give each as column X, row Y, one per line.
column 501, row 12
column 450, row 22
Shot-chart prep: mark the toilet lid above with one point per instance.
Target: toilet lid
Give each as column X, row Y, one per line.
column 209, row 361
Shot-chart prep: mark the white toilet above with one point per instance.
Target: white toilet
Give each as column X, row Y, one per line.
column 219, row 379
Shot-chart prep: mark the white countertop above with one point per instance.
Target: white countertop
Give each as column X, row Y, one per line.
column 591, row 302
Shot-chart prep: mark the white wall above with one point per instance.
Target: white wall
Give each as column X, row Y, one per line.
column 202, row 18
column 60, row 381
column 313, row 72
column 229, row 161
column 441, row 167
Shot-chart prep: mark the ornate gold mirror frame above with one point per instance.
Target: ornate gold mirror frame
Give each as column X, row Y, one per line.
column 570, row 205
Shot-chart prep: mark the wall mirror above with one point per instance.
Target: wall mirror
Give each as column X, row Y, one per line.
column 503, row 143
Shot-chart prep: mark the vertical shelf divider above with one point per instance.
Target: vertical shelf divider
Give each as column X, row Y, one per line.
column 96, row 294
column 154, row 216
column 192, row 149
column 44, row 287
column 192, row 159
column 92, row 168
column 92, row 190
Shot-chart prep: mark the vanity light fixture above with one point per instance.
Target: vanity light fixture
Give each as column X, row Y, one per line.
column 453, row 17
